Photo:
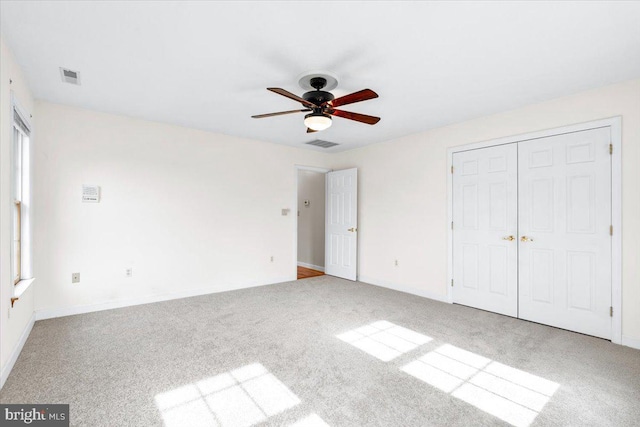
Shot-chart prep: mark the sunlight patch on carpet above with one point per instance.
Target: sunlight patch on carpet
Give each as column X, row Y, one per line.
column 507, row 393
column 241, row 397
column 312, row 420
column 384, row 340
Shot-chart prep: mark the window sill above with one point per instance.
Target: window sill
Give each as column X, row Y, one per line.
column 21, row 287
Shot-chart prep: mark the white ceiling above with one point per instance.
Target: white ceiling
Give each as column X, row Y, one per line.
column 206, row 64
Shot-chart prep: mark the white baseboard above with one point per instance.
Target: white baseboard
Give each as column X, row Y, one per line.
column 6, row 370
column 403, row 288
column 311, row 266
column 631, row 342
column 49, row 313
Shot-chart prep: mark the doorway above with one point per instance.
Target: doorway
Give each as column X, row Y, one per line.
column 311, row 221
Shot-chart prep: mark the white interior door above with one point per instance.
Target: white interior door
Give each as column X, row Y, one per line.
column 341, row 239
column 485, row 228
column 565, row 245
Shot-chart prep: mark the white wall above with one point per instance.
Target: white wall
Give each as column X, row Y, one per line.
column 190, row 211
column 14, row 322
column 403, row 192
column 311, row 219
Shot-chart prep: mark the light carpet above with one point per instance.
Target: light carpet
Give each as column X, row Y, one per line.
column 317, row 352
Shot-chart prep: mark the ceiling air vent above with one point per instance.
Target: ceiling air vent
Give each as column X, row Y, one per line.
column 69, row 76
column 321, row 143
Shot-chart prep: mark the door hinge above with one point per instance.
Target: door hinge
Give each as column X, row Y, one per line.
column 610, row 148
column 611, row 230
column 452, row 283
column 610, row 311
column 451, row 168
column 452, row 225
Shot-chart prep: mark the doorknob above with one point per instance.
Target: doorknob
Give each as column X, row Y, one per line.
column 509, row 238
column 526, row 239
column 353, row 230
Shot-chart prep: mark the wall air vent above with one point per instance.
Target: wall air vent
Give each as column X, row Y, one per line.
column 321, row 143
column 69, row 76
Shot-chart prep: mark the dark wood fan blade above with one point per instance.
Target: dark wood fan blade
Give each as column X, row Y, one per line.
column 292, row 96
column 361, row 95
column 309, row 130
column 370, row 120
column 261, row 116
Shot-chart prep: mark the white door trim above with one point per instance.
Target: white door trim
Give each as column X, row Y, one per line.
column 615, row 123
column 294, row 211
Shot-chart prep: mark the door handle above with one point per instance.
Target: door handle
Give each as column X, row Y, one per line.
column 509, row 238
column 526, row 239
column 353, row 230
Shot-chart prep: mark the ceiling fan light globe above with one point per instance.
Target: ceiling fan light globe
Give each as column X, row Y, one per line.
column 317, row 121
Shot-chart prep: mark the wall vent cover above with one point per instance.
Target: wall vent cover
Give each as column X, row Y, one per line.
column 321, row 143
column 69, row 76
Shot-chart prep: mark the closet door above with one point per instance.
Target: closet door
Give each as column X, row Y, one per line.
column 564, row 242
column 485, row 229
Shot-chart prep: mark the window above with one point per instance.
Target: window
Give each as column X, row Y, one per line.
column 20, row 203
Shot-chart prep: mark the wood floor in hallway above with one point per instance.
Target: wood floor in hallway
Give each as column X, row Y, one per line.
column 305, row 273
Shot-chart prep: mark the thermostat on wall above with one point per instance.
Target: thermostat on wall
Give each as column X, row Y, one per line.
column 90, row 194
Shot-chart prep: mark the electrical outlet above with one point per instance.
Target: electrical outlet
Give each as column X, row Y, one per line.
column 128, row 272
column 396, row 263
column 271, row 258
column 75, row 278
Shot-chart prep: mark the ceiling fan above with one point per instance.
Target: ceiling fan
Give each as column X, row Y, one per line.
column 321, row 105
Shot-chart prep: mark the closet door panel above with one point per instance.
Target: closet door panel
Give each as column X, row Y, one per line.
column 564, row 210
column 484, row 217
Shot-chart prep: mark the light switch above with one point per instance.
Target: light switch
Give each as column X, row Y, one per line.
column 285, row 212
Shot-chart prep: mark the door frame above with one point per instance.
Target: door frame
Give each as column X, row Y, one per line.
column 615, row 123
column 296, row 169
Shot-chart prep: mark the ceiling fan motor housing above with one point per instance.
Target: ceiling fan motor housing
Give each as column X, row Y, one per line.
column 318, row 97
